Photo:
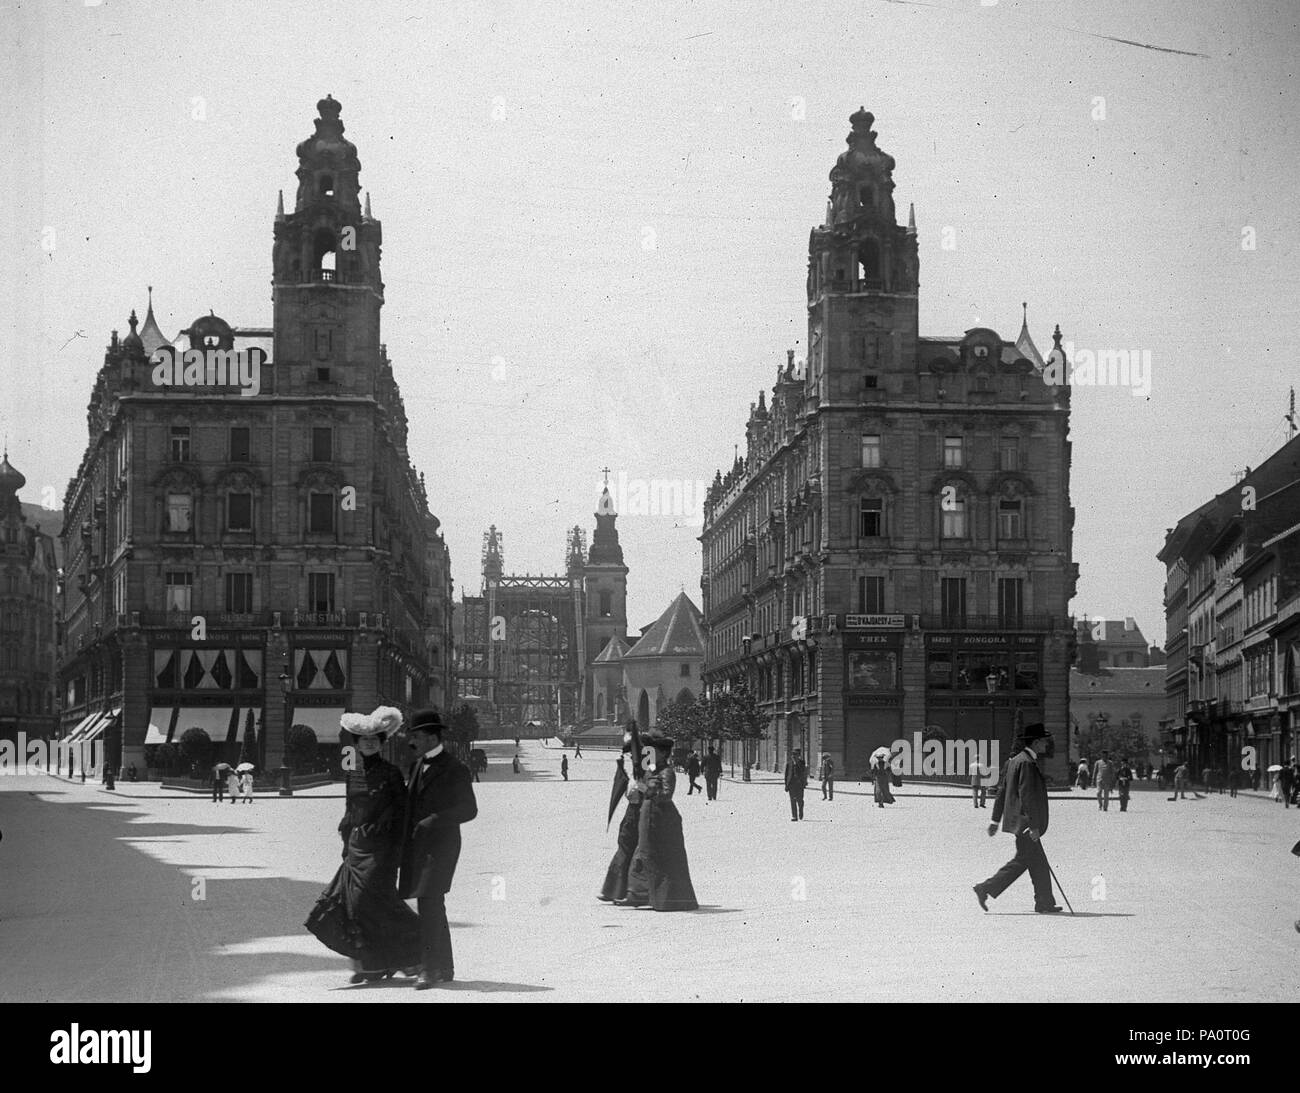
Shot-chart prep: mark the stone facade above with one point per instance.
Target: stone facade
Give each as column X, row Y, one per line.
column 899, row 529
column 230, row 550
column 28, row 582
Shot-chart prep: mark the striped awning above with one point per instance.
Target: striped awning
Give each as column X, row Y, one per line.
column 100, row 726
column 160, row 724
column 322, row 720
column 216, row 721
column 84, row 730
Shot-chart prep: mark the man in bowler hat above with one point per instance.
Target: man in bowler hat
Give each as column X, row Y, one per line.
column 1021, row 806
column 440, row 797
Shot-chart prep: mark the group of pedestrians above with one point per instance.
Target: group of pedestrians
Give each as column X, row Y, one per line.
column 238, row 784
column 401, row 840
column 649, row 867
column 711, row 767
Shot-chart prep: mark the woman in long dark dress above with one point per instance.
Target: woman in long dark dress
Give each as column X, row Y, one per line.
column 615, row 886
column 360, row 915
column 660, row 875
column 880, row 775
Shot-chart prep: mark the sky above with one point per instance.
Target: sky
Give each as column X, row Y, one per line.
column 596, row 223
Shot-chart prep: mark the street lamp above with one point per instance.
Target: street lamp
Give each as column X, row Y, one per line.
column 286, row 775
column 991, row 682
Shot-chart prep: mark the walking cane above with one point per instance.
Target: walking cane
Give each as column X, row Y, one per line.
column 1054, row 877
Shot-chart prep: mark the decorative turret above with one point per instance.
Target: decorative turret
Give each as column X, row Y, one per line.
column 493, row 562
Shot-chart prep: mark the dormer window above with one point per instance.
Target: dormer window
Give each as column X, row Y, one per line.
column 980, row 352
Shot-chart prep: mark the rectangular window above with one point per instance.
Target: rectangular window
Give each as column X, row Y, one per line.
column 870, row 450
column 606, row 605
column 240, row 444
column 179, row 586
column 952, row 451
column 322, row 375
column 954, row 519
column 179, row 512
column 180, row 443
column 239, row 593
column 1010, row 601
column 952, row 601
column 871, row 518
column 1009, row 454
column 322, row 445
column 686, row 670
column 239, row 512
column 1010, row 525
column 871, row 595
column 321, row 513
column 320, row 592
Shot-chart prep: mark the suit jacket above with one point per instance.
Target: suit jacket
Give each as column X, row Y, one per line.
column 1021, row 802
column 712, row 766
column 796, row 775
column 1103, row 774
column 445, row 790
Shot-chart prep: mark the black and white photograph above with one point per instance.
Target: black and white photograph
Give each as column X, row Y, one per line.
column 717, row 502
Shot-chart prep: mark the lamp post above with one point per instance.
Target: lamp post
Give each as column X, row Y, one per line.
column 286, row 775
column 991, row 683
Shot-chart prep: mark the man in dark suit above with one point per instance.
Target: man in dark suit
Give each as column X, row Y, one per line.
column 712, row 772
column 1021, row 806
column 796, row 780
column 440, row 797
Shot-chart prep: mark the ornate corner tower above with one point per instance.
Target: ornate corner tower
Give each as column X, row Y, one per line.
column 327, row 291
column 862, row 276
column 604, row 581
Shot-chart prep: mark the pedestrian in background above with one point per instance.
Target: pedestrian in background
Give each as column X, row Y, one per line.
column 692, row 772
column 1234, row 781
column 564, row 767
column 796, row 780
column 515, row 762
column 577, row 749
column 232, row 785
column 828, row 778
column 1180, row 782
column 1081, row 778
column 978, row 787
column 880, row 774
column 218, row 786
column 1123, row 780
column 1103, row 777
column 712, row 772
column 246, row 786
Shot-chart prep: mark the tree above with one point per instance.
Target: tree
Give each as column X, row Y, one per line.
column 679, row 719
column 462, row 727
column 248, row 753
column 1123, row 739
column 196, row 748
column 300, row 748
column 165, row 757
column 742, row 719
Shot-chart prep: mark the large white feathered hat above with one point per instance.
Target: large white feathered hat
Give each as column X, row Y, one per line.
column 383, row 719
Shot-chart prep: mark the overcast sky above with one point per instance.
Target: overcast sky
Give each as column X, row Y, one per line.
column 596, row 225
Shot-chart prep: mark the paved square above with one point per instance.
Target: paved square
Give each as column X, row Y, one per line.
column 855, row 903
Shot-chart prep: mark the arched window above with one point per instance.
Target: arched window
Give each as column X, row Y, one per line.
column 869, row 262
column 327, row 185
column 323, row 252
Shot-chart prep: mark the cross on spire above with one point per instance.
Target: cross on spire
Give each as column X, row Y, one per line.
column 605, row 472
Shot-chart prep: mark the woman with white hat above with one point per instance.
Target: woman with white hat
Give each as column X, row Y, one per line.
column 360, row 915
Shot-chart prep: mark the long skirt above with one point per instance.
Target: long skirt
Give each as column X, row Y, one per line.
column 360, row 915
column 882, row 793
column 615, row 886
column 660, row 874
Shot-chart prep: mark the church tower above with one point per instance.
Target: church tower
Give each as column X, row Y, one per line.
column 604, row 584
column 327, row 291
column 862, row 277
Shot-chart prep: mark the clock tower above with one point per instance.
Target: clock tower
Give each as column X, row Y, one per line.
column 326, row 286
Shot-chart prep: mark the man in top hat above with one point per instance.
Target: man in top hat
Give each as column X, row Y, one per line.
column 440, row 797
column 1021, row 806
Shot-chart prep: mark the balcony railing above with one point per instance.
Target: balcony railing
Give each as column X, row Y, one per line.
column 255, row 620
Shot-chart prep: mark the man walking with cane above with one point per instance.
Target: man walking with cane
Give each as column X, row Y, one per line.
column 1021, row 806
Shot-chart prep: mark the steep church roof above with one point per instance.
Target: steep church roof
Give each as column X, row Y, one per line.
column 615, row 650
column 676, row 633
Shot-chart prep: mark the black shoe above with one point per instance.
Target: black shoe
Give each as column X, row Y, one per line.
column 1047, row 910
column 432, row 979
column 982, row 895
